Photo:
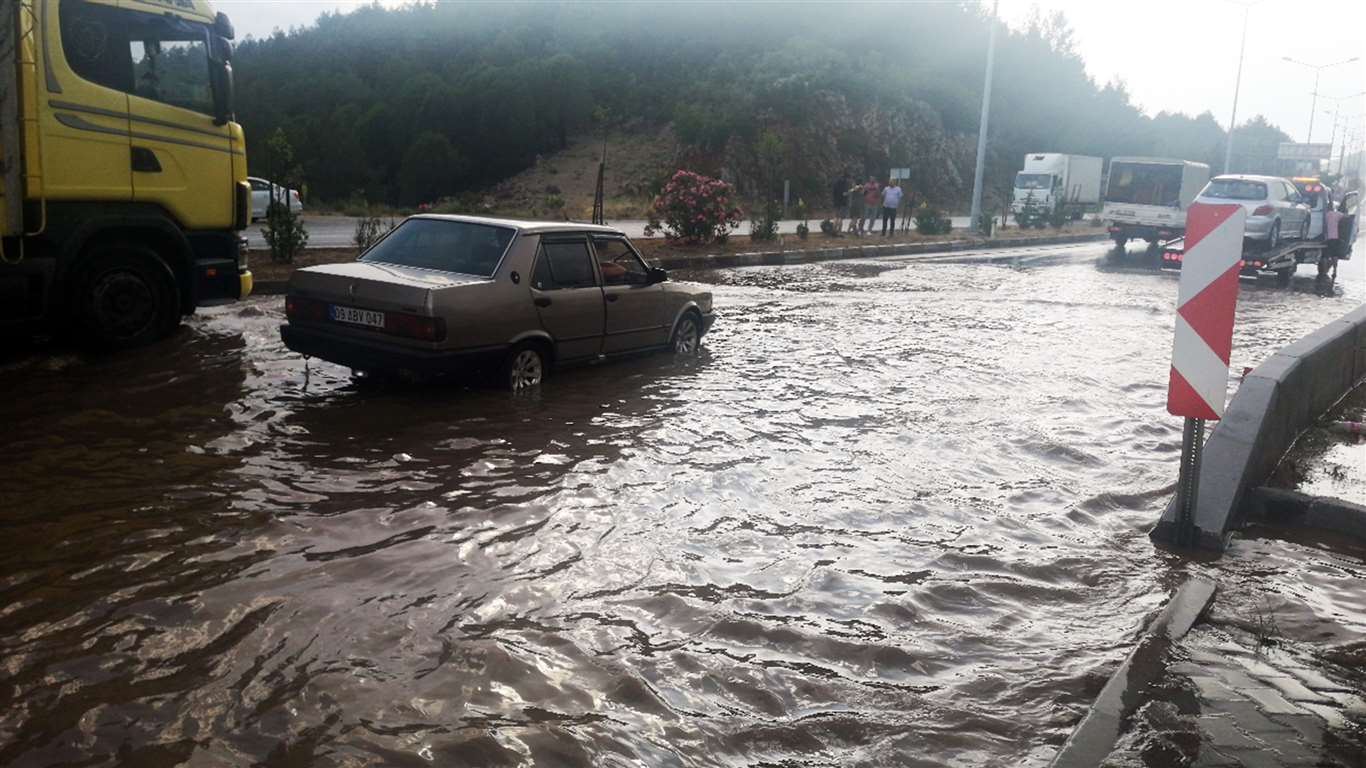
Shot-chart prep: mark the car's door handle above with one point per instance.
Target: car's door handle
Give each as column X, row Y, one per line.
column 542, row 302
column 613, row 297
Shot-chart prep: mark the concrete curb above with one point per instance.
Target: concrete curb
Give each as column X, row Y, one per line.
column 1096, row 735
column 1283, row 507
column 778, row 258
column 1276, row 402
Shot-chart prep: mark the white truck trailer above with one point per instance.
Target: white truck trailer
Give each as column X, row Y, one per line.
column 1146, row 197
column 1052, row 182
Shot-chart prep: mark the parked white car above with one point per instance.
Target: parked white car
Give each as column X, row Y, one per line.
column 260, row 197
column 1276, row 211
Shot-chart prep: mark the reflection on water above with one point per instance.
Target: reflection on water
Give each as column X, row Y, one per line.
column 890, row 516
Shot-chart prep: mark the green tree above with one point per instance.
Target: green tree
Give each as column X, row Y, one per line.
column 431, row 169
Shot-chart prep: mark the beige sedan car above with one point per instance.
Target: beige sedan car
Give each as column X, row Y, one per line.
column 454, row 293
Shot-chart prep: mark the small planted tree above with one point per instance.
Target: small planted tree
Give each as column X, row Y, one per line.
column 693, row 208
column 763, row 225
column 284, row 232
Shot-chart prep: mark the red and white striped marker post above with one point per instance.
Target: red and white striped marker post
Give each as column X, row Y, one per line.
column 1205, row 304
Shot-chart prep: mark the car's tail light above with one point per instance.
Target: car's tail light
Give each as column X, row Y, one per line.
column 415, row 326
column 1263, row 210
column 295, row 194
column 300, row 308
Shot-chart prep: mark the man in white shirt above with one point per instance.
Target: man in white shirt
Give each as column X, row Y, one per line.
column 891, row 200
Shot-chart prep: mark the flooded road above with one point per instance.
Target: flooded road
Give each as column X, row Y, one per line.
column 895, row 513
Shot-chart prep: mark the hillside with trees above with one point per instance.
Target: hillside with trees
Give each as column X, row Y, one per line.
column 434, row 101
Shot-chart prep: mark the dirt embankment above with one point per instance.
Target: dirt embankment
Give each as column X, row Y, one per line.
column 562, row 185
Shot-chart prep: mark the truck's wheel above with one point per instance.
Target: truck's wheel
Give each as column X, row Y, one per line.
column 127, row 297
column 1284, row 275
column 1120, row 242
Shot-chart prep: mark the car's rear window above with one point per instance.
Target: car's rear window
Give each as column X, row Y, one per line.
column 450, row 246
column 1235, row 189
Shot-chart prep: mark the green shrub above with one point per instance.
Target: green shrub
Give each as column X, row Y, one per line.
column 284, row 232
column 931, row 221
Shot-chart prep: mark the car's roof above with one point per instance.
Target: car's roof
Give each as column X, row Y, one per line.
column 524, row 227
column 1156, row 161
column 1245, row 177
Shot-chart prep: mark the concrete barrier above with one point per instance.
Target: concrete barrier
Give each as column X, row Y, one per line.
column 1276, row 402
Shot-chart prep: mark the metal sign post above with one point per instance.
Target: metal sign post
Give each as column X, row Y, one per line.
column 1198, row 382
column 1188, row 486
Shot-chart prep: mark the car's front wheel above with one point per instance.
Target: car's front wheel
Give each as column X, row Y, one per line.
column 687, row 336
column 524, row 367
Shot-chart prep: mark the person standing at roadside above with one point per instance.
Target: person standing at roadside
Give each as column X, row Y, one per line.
column 839, row 198
column 855, row 195
column 891, row 201
column 872, row 200
column 1332, row 241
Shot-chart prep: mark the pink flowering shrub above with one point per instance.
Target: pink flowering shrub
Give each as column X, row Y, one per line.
column 695, row 209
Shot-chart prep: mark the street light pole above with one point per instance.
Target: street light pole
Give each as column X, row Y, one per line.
column 1237, row 84
column 975, row 214
column 1318, row 69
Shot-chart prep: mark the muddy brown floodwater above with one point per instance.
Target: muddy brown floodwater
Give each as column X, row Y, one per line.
column 893, row 514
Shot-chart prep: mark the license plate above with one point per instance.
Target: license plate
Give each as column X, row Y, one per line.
column 357, row 316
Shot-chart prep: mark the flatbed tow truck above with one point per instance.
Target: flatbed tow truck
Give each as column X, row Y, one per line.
column 1257, row 261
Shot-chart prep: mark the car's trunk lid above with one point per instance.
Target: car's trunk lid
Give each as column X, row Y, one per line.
column 375, row 285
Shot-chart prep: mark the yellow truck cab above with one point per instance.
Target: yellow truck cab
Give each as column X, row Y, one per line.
column 124, row 170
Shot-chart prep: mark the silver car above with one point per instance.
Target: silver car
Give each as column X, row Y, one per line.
column 1276, row 211
column 454, row 293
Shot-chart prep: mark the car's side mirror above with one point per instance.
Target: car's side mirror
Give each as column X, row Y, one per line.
column 658, row 275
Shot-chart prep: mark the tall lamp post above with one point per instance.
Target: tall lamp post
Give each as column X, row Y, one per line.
column 1318, row 70
column 1337, row 113
column 975, row 215
column 1237, row 85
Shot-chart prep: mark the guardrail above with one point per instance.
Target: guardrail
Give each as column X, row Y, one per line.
column 1277, row 401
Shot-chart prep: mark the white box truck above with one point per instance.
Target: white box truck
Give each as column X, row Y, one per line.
column 1146, row 197
column 1050, row 179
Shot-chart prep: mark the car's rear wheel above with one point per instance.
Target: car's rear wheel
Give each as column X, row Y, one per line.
column 687, row 337
column 524, row 367
column 1273, row 240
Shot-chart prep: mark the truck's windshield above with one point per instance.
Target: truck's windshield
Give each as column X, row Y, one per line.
column 1235, row 189
column 1144, row 184
column 450, row 246
column 157, row 57
column 1033, row 181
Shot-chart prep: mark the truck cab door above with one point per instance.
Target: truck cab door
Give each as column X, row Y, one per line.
column 175, row 144
column 86, row 75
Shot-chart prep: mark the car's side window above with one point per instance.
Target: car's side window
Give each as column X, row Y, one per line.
column 564, row 264
column 619, row 264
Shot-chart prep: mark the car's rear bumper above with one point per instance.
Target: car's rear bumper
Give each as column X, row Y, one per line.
column 365, row 355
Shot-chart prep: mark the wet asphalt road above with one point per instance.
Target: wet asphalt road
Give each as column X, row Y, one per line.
column 894, row 513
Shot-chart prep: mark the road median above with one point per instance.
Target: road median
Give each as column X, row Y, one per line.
column 273, row 278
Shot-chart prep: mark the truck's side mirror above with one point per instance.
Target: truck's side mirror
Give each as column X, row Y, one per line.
column 222, row 93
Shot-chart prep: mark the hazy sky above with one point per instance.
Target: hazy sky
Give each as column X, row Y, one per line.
column 1179, row 55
